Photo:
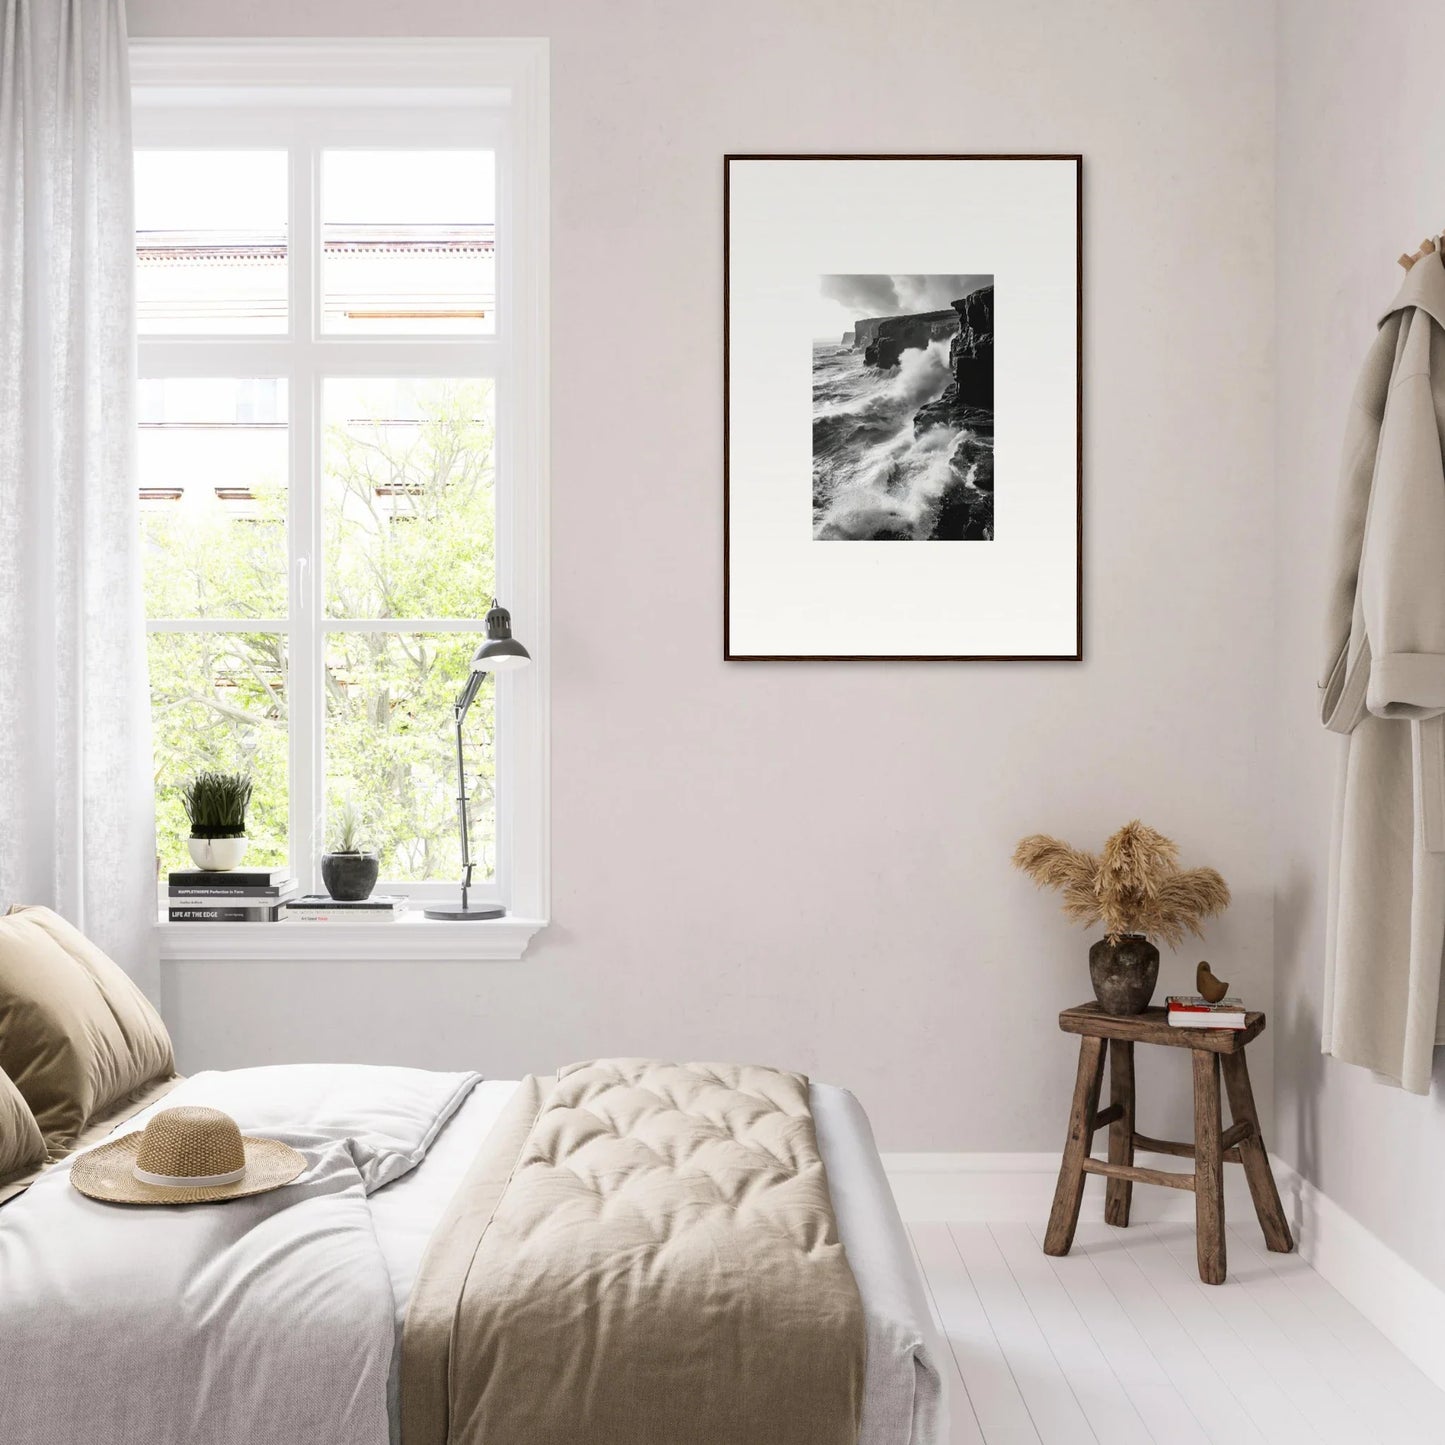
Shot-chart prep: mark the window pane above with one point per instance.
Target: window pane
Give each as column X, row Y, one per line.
column 408, row 242
column 212, row 459
column 218, row 700
column 408, row 505
column 390, row 749
column 210, row 241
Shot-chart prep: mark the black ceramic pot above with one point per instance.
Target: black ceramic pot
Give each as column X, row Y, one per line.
column 350, row 877
column 1124, row 973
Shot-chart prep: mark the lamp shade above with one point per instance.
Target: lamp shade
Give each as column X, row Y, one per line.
column 501, row 652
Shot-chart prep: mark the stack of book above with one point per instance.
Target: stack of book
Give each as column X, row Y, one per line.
column 250, row 895
column 1193, row 1011
column 318, row 908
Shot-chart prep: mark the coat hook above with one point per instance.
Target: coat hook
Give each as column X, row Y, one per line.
column 1427, row 248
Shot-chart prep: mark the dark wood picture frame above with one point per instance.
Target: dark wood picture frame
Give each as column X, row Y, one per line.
column 1078, row 654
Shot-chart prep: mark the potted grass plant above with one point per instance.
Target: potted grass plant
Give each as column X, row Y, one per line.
column 350, row 869
column 1136, row 889
column 216, row 804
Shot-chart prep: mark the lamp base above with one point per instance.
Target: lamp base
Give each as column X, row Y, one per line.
column 456, row 913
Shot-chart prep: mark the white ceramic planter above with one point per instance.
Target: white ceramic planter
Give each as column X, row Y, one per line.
column 216, row 855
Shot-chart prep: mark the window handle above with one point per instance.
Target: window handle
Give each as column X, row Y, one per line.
column 301, row 568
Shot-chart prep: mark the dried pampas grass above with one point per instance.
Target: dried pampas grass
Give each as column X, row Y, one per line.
column 1134, row 886
column 1051, row 863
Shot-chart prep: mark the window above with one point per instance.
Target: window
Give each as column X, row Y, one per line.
column 340, row 254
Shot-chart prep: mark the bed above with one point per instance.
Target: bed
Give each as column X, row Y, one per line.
column 99, row 1344
column 627, row 1252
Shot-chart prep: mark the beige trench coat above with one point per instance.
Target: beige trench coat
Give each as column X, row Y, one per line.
column 1384, row 686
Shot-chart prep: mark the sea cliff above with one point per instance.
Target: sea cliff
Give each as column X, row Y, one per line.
column 970, row 359
column 966, row 510
column 885, row 338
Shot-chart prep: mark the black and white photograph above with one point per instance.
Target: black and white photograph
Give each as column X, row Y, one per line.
column 872, row 395
column 903, row 408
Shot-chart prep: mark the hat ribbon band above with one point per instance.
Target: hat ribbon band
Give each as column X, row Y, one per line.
column 189, row 1181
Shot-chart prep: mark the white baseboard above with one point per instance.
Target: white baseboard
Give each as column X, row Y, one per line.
column 1019, row 1189
column 1406, row 1307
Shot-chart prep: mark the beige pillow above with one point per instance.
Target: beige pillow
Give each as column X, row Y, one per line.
column 76, row 1035
column 22, row 1150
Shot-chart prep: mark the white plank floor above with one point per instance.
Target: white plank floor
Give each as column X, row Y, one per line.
column 1120, row 1343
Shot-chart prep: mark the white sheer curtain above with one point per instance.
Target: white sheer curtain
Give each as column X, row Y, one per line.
column 76, row 803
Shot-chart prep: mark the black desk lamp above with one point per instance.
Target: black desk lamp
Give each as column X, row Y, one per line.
column 499, row 653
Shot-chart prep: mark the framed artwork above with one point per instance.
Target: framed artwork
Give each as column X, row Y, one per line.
column 902, row 341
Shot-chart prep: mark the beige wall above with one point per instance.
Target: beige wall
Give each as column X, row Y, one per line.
column 1361, row 178
column 807, row 864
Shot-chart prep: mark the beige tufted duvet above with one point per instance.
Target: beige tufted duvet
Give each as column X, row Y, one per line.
column 649, row 1248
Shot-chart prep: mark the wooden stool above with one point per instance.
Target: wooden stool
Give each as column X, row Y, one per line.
column 1212, row 1148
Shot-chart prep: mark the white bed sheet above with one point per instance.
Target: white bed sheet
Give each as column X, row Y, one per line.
column 903, row 1393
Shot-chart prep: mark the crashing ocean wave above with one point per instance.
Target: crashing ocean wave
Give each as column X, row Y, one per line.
column 873, row 478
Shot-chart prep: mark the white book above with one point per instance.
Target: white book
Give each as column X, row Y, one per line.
column 1179, row 1019
column 352, row 917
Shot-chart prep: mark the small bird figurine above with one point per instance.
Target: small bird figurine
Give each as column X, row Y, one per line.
column 1209, row 987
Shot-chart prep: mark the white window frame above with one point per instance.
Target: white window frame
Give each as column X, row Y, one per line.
column 304, row 96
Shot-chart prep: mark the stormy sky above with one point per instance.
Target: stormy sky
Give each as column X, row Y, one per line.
column 844, row 299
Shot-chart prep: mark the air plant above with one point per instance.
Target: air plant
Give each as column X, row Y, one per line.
column 347, row 828
column 216, row 804
column 1135, row 885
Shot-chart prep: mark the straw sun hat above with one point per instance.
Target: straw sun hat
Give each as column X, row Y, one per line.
column 186, row 1155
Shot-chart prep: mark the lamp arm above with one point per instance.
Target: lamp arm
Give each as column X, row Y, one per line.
column 460, row 707
column 468, row 694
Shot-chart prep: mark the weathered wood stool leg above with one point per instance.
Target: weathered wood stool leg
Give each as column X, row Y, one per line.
column 1119, row 1193
column 1255, row 1158
column 1208, row 1169
column 1069, row 1194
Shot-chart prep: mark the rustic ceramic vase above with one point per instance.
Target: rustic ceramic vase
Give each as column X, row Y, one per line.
column 1124, row 973
column 350, row 877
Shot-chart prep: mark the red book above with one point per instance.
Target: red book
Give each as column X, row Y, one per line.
column 1193, row 1011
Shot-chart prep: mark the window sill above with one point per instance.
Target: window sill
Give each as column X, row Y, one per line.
column 412, row 937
